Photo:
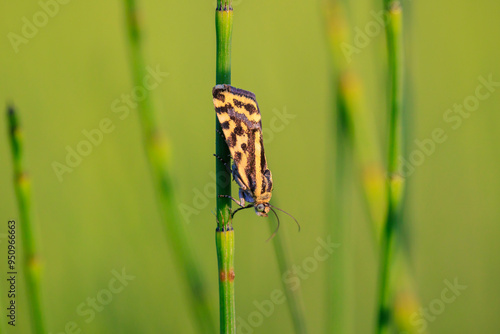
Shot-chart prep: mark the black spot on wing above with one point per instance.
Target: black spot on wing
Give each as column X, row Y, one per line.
column 248, row 106
column 244, row 147
column 217, row 92
column 237, row 157
column 225, row 125
column 223, row 110
column 238, row 103
column 239, row 130
column 231, row 140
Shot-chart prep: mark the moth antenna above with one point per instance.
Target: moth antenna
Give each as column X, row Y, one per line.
column 287, row 214
column 277, row 228
column 242, row 208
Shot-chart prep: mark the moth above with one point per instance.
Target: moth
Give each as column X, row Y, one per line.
column 239, row 116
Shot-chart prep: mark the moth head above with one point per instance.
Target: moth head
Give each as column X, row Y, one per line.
column 262, row 209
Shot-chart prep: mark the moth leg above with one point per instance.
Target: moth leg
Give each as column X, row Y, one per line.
column 234, row 199
column 225, row 164
column 242, row 196
column 245, row 196
column 221, row 134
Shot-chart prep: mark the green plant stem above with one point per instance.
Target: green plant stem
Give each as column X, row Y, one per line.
column 293, row 298
column 338, row 270
column 224, row 28
column 224, row 241
column 28, row 240
column 361, row 132
column 360, row 126
column 406, row 301
column 224, row 231
column 355, row 131
column 157, row 155
column 395, row 182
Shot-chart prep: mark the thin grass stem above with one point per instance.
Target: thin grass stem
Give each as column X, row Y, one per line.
column 395, row 182
column 355, row 132
column 360, row 126
column 224, row 241
column 339, row 271
column 224, row 232
column 360, row 133
column 293, row 298
column 28, row 242
column 157, row 154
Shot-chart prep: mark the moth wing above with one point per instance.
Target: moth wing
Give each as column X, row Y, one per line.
column 240, row 119
column 238, row 113
column 263, row 185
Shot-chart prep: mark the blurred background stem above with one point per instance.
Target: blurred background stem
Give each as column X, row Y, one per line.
column 28, row 240
column 285, row 262
column 359, row 133
column 355, row 131
column 395, row 181
column 339, row 269
column 157, row 153
column 224, row 232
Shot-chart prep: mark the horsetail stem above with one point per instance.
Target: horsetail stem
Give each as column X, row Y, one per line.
column 395, row 182
column 32, row 262
column 224, row 234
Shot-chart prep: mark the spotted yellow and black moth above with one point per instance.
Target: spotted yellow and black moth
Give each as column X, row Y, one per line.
column 239, row 116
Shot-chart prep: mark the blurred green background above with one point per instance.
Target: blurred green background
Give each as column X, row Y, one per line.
column 103, row 215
